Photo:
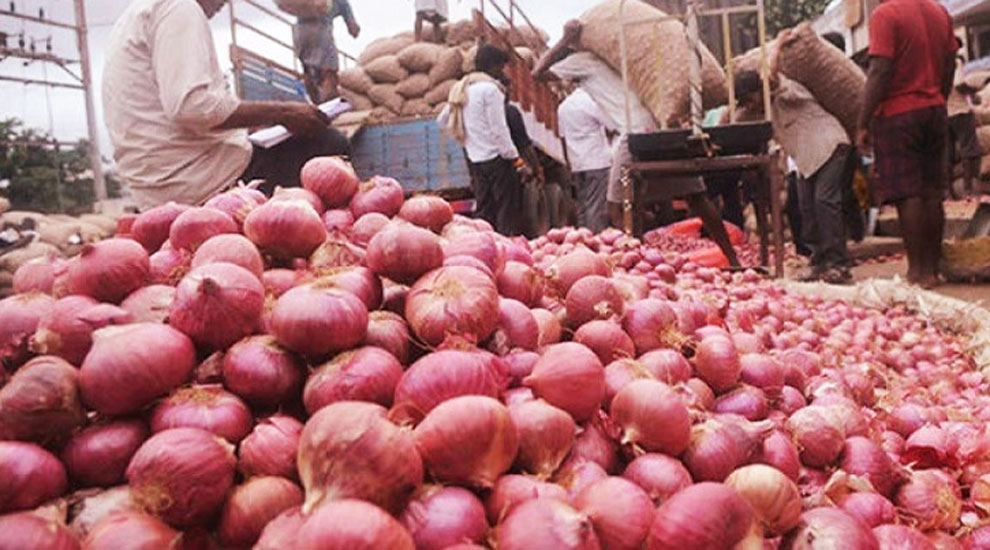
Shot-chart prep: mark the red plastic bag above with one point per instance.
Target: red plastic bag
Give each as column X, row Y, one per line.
column 690, row 227
column 709, row 257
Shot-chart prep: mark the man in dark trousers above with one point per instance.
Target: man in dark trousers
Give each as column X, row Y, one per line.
column 912, row 53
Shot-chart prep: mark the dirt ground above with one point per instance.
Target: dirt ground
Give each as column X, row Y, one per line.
column 973, row 293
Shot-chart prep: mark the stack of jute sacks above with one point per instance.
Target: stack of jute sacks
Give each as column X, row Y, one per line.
column 398, row 77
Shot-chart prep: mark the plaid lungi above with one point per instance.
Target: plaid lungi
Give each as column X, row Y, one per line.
column 911, row 154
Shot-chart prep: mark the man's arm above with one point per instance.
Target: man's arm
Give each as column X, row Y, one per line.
column 560, row 50
column 877, row 83
column 300, row 118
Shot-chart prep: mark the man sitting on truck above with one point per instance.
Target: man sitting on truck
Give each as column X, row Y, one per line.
column 177, row 130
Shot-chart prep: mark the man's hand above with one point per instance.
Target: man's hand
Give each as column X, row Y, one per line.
column 303, row 119
column 864, row 141
column 354, row 29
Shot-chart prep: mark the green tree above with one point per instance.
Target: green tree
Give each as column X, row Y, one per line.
column 43, row 178
column 784, row 14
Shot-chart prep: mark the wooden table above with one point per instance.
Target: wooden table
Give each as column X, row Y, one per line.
column 646, row 177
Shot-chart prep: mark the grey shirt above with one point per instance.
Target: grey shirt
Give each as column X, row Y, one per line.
column 313, row 37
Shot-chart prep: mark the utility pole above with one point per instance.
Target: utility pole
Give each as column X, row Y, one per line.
column 82, row 38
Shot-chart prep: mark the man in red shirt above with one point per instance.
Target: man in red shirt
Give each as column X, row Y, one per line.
column 912, row 52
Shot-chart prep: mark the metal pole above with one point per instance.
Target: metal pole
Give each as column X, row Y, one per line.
column 626, row 181
column 730, row 66
column 761, row 25
column 99, row 183
column 694, row 73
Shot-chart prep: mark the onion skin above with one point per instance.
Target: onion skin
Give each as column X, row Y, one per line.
column 336, row 252
column 319, row 322
column 520, row 282
column 779, row 451
column 820, row 440
column 182, row 475
column 67, row 330
column 132, row 531
column 659, row 475
column 651, row 324
column 512, row 489
column 456, row 300
column 427, row 211
column 286, row 229
column 595, row 444
column 194, row 226
column 545, row 523
column 705, row 516
column 218, row 304
column 358, row 280
column 282, row 532
column 19, row 319
column 620, row 511
column 717, row 363
column 439, row 517
column 441, row 376
column 606, row 339
column 546, row 435
column 250, row 507
column 98, row 455
column 168, row 266
column 390, row 332
column 149, row 304
column 332, row 179
column 122, row 374
column 774, row 498
column 571, row 377
column 151, row 227
column 107, row 271
column 404, row 253
column 571, row 267
column 355, row 525
column 366, row 227
column 41, row 402
column 593, row 297
column 483, row 245
column 667, row 366
column 364, row 374
column 37, row 275
column 762, row 371
column 237, row 203
column 899, row 537
column 746, row 401
column 262, row 373
column 29, row 476
column 716, row 449
column 338, row 220
column 870, row 508
column 207, row 407
column 830, row 528
column 931, row 499
column 26, row 530
column 232, row 249
column 550, row 330
column 270, row 449
column 467, row 440
column 652, row 417
column 379, row 194
column 863, row 457
column 350, row 450
column 517, row 328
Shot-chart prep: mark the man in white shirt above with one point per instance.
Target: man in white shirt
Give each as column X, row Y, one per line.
column 178, row 132
column 432, row 11
column 475, row 115
column 585, row 131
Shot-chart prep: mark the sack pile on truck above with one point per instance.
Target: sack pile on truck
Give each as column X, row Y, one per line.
column 399, row 77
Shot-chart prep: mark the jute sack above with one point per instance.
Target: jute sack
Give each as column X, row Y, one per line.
column 385, row 46
column 381, row 114
column 966, row 260
column 448, row 66
column 17, row 217
column 386, row 96
column 983, row 136
column 419, row 57
column 415, row 107
column 834, row 79
column 107, row 224
column 461, row 31
column 527, row 54
column 440, row 92
column 662, row 84
column 304, row 8
column 360, row 102
column 386, row 70
column 468, row 60
column 356, row 79
column 750, row 61
column 17, row 257
column 414, row 86
column 59, row 233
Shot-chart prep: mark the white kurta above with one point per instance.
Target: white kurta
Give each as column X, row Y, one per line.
column 438, row 6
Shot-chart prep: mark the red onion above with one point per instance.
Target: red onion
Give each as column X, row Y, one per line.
column 595, row 443
column 520, row 282
column 364, row 374
column 29, row 476
column 389, row 331
column 233, row 249
column 151, row 227
column 394, row 297
column 705, row 516
column 779, row 451
column 945, row 541
column 512, row 489
column 182, row 475
column 168, row 266
column 659, row 475
column 862, row 457
column 830, row 528
column 278, row 281
column 978, row 539
column 318, row 322
column 456, row 300
column 107, row 271
column 336, row 252
column 149, row 304
column 41, row 402
column 762, row 371
column 593, row 297
column 774, row 498
column 800, row 365
column 814, row 432
column 208, row 408
column 620, row 511
column 571, row 267
column 132, row 530
column 250, row 506
column 869, row 508
column 548, row 324
column 468, row 261
column 546, row 435
column 359, row 281
column 237, row 203
column 900, row 537
column 467, row 440
column 352, row 524
column 698, row 395
column 283, row 531
column 440, row 376
column 37, row 275
column 545, row 523
column 283, row 194
column 26, row 530
column 652, row 417
column 748, row 343
column 606, row 339
column 367, row 226
column 261, row 372
column 928, row 447
column 338, row 220
column 404, row 253
column 517, row 328
column 931, row 499
column 717, row 448
column 194, row 226
column 130, row 366
column 67, row 330
column 571, row 377
column 217, row 305
column 427, row 211
column 379, row 194
column 652, row 324
column 287, row 229
column 517, row 396
column 481, row 245
column 745, row 400
column 332, row 179
column 667, row 366
column 577, row 474
column 620, row 373
column 439, row 517
column 349, row 449
column 717, row 363
column 270, row 449
column 790, row 400
column 99, row 454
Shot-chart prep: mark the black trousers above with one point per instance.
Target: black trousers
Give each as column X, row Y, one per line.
column 498, row 194
column 821, row 197
column 280, row 165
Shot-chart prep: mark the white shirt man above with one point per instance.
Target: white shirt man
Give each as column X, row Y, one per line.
column 584, row 128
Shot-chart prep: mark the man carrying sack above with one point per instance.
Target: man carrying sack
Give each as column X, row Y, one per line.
column 316, row 49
